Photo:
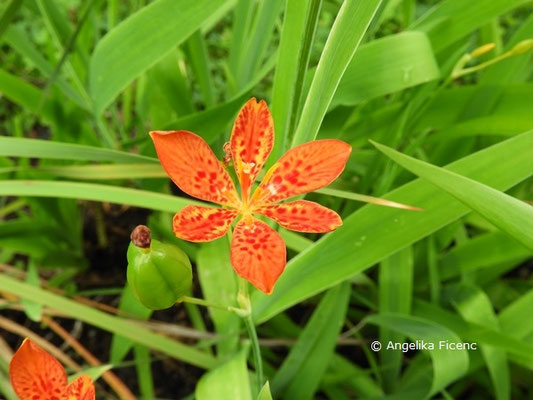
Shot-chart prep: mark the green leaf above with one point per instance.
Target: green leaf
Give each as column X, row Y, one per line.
column 210, row 123
column 475, row 306
column 39, row 148
column 301, row 371
column 395, row 296
column 228, row 381
column 33, row 310
column 518, row 350
column 513, row 69
column 26, row 95
column 347, row 32
column 107, row 322
column 140, row 41
column 95, row 192
column 451, row 20
column 7, row 13
column 197, row 54
column 483, row 251
column 219, row 286
column 342, row 370
column 512, row 319
column 94, row 372
column 516, row 220
column 448, row 366
column 372, row 233
column 130, row 305
column 386, row 66
column 101, row 172
column 265, row 394
column 291, row 64
column 257, row 40
column 21, row 43
column 143, row 366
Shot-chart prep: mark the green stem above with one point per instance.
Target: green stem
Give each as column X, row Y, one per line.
column 205, row 303
column 243, row 299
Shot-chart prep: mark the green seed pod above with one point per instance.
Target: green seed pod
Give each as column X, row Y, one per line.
column 158, row 273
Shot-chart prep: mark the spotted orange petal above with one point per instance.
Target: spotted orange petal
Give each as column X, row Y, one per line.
column 251, row 141
column 302, row 216
column 36, row 375
column 258, row 253
column 192, row 165
column 202, row 224
column 303, row 169
column 81, row 388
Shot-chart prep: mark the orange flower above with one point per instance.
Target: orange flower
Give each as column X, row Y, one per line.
column 36, row 375
column 257, row 251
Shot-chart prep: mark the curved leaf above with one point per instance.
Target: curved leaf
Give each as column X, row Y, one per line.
column 140, row 41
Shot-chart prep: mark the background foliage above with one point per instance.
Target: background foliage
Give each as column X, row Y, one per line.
column 433, row 123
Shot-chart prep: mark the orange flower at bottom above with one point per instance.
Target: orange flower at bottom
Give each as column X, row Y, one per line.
column 257, row 251
column 36, row 375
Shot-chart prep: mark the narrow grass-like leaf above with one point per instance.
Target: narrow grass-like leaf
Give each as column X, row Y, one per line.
column 511, row 215
column 39, row 148
column 347, row 32
column 366, row 199
column 102, row 172
column 143, row 366
column 481, row 252
column 95, row 192
column 513, row 69
column 94, row 372
column 130, row 305
column 518, row 350
column 395, row 295
column 107, row 322
column 257, row 40
column 512, row 319
column 197, row 52
column 299, row 375
column 19, row 41
column 7, row 13
column 140, row 41
column 367, row 236
column 219, row 286
column 285, row 78
column 451, row 20
column 228, row 381
column 265, row 394
column 25, row 95
column 475, row 306
column 209, row 123
column 359, row 379
column 387, row 65
column 448, row 366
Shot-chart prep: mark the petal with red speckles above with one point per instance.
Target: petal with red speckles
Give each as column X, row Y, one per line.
column 258, row 253
column 36, row 375
column 202, row 224
column 302, row 216
column 303, row 169
column 81, row 388
column 192, row 165
column 251, row 141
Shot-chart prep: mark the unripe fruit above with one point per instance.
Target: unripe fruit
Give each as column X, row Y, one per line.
column 158, row 273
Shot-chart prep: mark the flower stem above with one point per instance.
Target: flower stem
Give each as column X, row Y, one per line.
column 205, row 303
column 244, row 302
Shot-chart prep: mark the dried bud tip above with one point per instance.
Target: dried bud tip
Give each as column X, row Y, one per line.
column 141, row 236
column 227, row 153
